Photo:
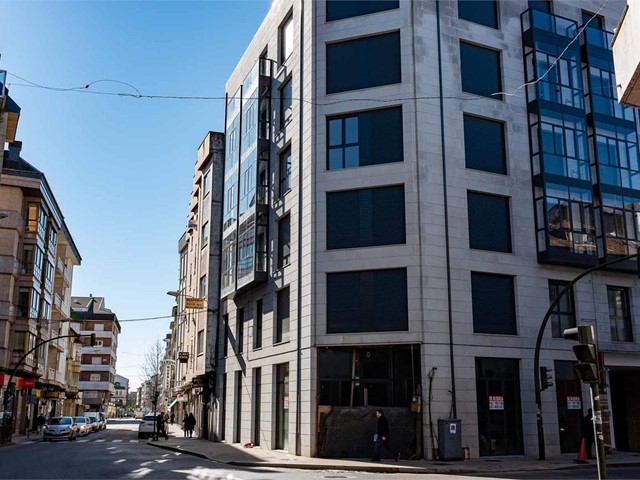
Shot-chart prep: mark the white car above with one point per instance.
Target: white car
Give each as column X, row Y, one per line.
column 146, row 428
column 83, row 427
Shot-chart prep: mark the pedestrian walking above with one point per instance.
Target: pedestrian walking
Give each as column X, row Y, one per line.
column 587, row 431
column 161, row 426
column 172, row 418
column 381, row 438
column 191, row 425
column 185, row 425
column 40, row 421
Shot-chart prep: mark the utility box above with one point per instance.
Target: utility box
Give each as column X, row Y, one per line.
column 450, row 439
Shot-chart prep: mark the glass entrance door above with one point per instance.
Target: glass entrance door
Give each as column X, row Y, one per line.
column 499, row 411
column 282, row 407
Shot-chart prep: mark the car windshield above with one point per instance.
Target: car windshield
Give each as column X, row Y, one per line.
column 91, row 419
column 149, row 418
column 60, row 421
column 79, row 419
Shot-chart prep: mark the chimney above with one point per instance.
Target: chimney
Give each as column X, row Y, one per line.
column 14, row 150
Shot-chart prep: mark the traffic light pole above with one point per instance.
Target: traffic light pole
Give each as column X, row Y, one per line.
column 536, row 353
column 9, row 394
column 597, row 430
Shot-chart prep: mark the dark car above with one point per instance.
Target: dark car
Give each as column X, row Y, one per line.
column 59, row 427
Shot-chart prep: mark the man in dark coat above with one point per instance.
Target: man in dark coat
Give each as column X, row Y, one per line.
column 381, row 438
column 587, row 431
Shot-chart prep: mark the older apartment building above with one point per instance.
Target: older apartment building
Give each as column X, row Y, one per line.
column 407, row 187
column 98, row 364
column 38, row 256
column 193, row 339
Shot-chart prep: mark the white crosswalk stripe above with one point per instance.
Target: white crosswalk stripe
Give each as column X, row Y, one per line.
column 101, row 440
column 116, row 441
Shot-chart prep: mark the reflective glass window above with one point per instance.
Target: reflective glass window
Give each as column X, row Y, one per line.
column 481, row 71
column 489, row 222
column 484, row 145
column 339, row 9
column 484, row 12
column 493, row 303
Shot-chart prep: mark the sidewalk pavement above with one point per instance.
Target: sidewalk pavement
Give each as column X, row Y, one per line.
column 236, row 454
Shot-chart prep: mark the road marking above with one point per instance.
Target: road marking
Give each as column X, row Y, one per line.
column 101, row 440
column 116, row 441
column 83, row 441
column 133, row 441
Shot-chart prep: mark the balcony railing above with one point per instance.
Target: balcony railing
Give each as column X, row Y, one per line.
column 549, row 23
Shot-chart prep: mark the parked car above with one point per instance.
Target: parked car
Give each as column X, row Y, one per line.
column 59, row 427
column 145, row 429
column 83, row 427
column 94, row 426
column 98, row 418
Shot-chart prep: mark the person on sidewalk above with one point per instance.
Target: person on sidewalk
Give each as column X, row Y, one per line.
column 185, row 426
column 40, row 421
column 172, row 418
column 191, row 424
column 381, row 438
column 161, row 426
column 587, row 431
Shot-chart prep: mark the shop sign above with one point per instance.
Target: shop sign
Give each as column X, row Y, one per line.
column 286, row 403
column 183, row 357
column 574, row 403
column 51, row 394
column 195, row 303
column 496, row 402
column 26, row 383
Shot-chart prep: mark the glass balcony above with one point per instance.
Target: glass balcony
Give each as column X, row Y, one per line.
column 538, row 20
column 598, row 38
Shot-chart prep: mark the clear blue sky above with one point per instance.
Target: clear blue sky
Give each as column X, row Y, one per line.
column 121, row 168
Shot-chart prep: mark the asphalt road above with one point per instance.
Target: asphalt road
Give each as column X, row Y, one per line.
column 613, row 473
column 116, row 453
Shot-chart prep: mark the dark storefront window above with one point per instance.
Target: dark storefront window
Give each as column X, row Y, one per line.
column 499, row 410
column 376, row 376
column 619, row 314
column 569, row 402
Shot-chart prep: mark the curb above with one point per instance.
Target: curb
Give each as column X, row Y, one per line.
column 177, row 449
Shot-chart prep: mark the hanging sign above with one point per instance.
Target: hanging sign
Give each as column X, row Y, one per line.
column 496, row 402
column 195, row 303
column 574, row 402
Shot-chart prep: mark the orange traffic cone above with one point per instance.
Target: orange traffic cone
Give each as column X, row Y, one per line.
column 582, row 453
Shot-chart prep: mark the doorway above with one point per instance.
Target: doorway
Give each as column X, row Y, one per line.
column 569, row 404
column 257, row 393
column 282, row 407
column 499, row 410
column 625, row 408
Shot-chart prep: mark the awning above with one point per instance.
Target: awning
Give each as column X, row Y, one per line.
column 173, row 403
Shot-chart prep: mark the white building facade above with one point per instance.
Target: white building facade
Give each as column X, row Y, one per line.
column 399, row 209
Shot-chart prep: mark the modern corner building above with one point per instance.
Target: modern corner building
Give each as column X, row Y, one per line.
column 37, row 258
column 98, row 368
column 193, row 338
column 408, row 185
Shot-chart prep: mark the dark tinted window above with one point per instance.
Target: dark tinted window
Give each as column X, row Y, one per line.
column 484, row 147
column 542, row 5
column 563, row 315
column 480, row 70
column 365, row 138
column 363, row 63
column 284, row 241
column 597, row 22
column 366, row 217
column 489, row 222
column 367, row 301
column 484, row 12
column 282, row 318
column 338, row 9
column 493, row 303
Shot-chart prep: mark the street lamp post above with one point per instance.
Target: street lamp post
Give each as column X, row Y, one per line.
column 536, row 354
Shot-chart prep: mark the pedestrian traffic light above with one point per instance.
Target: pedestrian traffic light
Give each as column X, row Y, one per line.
column 93, row 339
column 546, row 378
column 586, row 353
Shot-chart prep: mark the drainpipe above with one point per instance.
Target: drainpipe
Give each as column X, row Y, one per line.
column 446, row 219
column 300, row 191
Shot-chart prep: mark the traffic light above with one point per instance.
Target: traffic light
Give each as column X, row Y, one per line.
column 93, row 339
column 546, row 378
column 586, row 353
